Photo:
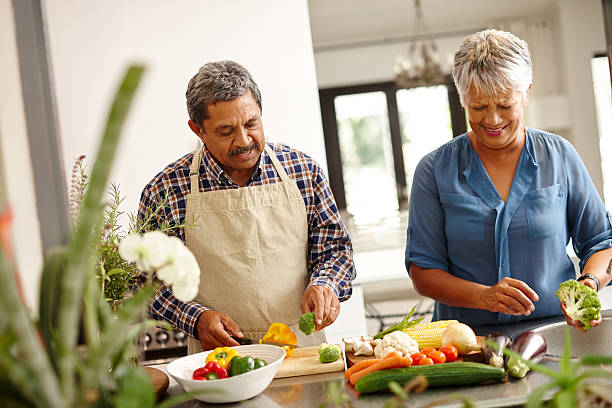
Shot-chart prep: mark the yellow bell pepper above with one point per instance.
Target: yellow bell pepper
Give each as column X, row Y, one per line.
column 222, row 355
column 281, row 333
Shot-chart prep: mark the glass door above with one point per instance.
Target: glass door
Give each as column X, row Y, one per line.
column 425, row 123
column 366, row 155
column 603, row 104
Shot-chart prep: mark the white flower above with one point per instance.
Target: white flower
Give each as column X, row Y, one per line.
column 187, row 288
column 158, row 252
column 131, row 249
column 168, row 257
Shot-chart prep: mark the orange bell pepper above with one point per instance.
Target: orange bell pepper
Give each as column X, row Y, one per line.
column 281, row 333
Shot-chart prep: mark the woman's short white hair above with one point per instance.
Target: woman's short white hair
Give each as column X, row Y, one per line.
column 492, row 61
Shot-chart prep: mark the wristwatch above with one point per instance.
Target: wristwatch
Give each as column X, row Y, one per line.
column 589, row 276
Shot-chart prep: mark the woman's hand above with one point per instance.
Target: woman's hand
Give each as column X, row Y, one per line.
column 576, row 323
column 510, row 296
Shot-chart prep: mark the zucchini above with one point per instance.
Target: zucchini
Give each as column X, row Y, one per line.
column 438, row 375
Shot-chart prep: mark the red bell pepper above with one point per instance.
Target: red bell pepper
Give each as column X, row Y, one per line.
column 211, row 371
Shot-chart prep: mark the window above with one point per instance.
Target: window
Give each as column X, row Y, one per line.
column 376, row 134
column 366, row 154
column 603, row 106
column 425, row 123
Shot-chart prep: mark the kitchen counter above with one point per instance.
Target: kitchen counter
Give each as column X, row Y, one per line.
column 312, row 390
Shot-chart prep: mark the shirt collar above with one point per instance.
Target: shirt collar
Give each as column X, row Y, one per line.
column 211, row 167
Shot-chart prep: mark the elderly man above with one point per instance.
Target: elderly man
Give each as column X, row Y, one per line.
column 267, row 234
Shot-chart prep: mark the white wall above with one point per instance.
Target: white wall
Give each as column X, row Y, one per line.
column 582, row 35
column 92, row 42
column 16, row 171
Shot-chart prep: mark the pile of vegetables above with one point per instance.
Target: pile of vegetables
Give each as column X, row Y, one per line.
column 400, row 360
column 528, row 346
column 224, row 362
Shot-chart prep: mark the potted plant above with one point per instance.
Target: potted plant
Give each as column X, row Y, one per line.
column 41, row 363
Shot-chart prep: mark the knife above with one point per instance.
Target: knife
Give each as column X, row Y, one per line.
column 245, row 340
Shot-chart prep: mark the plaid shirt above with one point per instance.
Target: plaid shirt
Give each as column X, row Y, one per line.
column 330, row 256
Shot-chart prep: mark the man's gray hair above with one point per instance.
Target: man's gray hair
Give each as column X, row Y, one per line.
column 492, row 61
column 219, row 81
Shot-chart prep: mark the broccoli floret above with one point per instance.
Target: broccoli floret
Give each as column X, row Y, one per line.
column 307, row 323
column 581, row 302
column 328, row 353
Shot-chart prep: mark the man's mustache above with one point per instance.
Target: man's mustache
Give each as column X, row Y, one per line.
column 244, row 149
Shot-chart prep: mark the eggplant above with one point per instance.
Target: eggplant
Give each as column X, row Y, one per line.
column 495, row 356
column 530, row 346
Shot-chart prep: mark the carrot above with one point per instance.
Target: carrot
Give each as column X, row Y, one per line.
column 404, row 362
column 360, row 365
column 389, row 361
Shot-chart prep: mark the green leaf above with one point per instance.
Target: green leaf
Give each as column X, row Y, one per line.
column 115, row 271
column 135, row 390
column 81, row 260
column 397, row 389
column 566, row 398
column 565, row 362
column 536, row 397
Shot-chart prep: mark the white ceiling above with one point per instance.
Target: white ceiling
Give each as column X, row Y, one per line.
column 344, row 22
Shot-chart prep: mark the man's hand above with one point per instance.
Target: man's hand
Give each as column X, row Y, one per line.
column 575, row 323
column 215, row 329
column 510, row 296
column 323, row 302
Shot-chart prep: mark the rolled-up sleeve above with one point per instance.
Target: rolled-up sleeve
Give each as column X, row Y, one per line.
column 589, row 223
column 330, row 259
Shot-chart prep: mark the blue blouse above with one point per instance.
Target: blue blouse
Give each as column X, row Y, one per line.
column 459, row 223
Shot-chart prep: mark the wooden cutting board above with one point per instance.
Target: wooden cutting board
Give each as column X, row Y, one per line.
column 305, row 361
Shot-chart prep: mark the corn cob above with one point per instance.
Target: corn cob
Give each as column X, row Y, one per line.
column 429, row 334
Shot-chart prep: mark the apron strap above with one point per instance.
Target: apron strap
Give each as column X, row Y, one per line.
column 279, row 168
column 194, row 171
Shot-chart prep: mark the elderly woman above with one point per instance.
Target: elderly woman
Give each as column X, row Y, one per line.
column 492, row 210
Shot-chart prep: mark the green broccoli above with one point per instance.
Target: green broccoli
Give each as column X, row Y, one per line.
column 307, row 323
column 328, row 353
column 581, row 302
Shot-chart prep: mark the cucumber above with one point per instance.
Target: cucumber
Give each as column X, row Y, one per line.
column 438, row 375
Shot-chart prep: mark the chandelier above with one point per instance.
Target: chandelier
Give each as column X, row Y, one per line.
column 421, row 65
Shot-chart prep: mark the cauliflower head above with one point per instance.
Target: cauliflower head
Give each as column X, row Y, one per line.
column 581, row 302
column 397, row 341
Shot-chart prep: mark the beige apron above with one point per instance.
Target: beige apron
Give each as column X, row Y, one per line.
column 252, row 246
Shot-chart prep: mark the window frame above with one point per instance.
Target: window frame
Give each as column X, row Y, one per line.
column 332, row 143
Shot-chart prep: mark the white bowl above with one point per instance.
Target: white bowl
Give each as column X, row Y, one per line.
column 231, row 389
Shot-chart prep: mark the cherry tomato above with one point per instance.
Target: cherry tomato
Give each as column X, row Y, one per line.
column 450, row 352
column 437, row 356
column 417, row 357
column 425, row 361
column 428, row 350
